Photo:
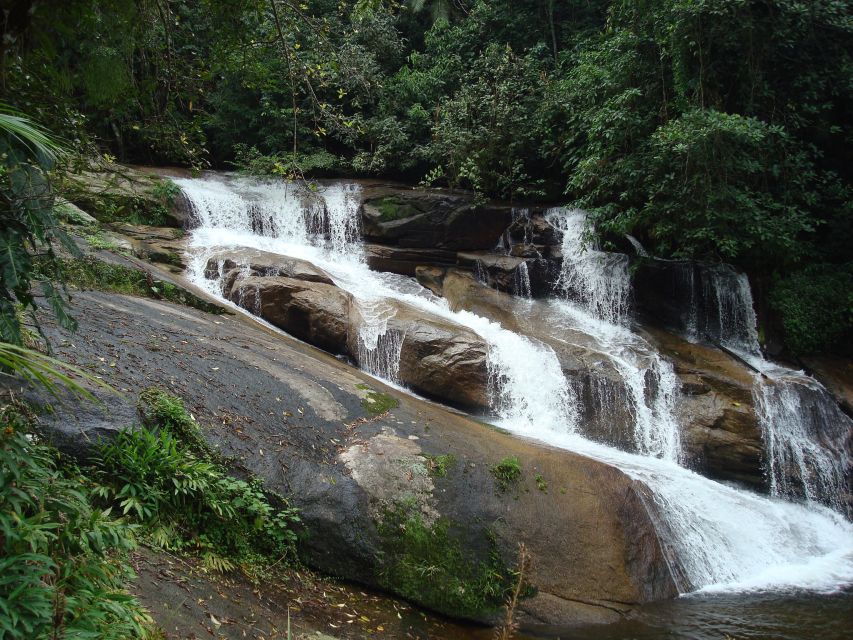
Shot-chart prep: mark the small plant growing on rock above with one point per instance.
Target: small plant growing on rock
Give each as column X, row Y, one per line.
column 438, row 465
column 507, row 472
column 507, row 630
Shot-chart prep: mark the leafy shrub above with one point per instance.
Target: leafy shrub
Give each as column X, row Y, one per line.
column 816, row 307
column 62, row 561
column 186, row 501
column 27, row 220
column 284, row 165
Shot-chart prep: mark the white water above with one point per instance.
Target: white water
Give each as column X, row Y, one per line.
column 804, row 431
column 717, row 538
column 597, row 280
column 601, row 310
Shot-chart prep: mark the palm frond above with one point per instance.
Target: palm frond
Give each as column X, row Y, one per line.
column 29, row 135
column 50, row 373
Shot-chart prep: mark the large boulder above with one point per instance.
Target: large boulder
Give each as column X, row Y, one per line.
column 405, row 261
column 432, row 219
column 315, row 312
column 406, row 500
column 443, row 360
column 262, row 263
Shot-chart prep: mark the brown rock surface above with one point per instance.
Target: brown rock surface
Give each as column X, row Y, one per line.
column 431, row 218
column 315, row 312
column 595, row 550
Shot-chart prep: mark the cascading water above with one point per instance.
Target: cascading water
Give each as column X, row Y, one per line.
column 806, row 435
column 729, row 316
column 599, row 283
column 522, row 281
column 807, row 438
column 716, row 537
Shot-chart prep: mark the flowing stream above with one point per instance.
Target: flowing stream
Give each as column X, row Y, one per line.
column 717, row 538
column 805, row 432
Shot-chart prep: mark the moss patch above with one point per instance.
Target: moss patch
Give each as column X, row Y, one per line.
column 375, row 402
column 507, row 472
column 91, row 273
column 391, row 208
column 438, row 465
column 428, row 565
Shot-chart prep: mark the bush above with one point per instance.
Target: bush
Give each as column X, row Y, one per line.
column 816, row 307
column 62, row 566
column 185, row 500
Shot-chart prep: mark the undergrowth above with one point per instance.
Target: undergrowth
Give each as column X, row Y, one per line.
column 90, row 273
column 64, row 564
column 163, row 477
column 426, row 563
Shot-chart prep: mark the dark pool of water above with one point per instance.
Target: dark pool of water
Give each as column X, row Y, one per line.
column 728, row 616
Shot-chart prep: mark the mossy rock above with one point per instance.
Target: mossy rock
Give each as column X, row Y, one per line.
column 427, row 564
column 126, row 196
column 375, row 402
column 392, row 208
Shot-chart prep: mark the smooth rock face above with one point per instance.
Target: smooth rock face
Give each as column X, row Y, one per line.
column 312, row 311
column 594, row 547
column 263, row 263
column 431, row 219
column 721, row 434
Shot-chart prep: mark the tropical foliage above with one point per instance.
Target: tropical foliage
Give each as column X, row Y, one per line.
column 28, row 226
column 712, row 129
column 63, row 561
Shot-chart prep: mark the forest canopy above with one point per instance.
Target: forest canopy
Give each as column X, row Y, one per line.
column 708, row 129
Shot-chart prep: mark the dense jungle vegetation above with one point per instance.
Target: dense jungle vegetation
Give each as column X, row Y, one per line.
column 710, row 129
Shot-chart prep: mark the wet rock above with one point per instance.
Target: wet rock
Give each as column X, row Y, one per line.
column 262, row 263
column 836, row 374
column 431, row 277
column 721, row 433
column 504, row 272
column 446, row 362
column 437, row 358
column 532, row 228
column 405, row 261
column 312, row 311
column 432, row 219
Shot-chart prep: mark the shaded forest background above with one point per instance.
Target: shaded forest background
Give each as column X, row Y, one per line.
column 708, row 129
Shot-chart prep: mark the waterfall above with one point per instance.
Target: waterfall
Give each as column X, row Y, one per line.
column 805, row 433
column 521, row 285
column 599, row 283
column 729, row 316
column 716, row 537
column 597, row 280
column 807, row 439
